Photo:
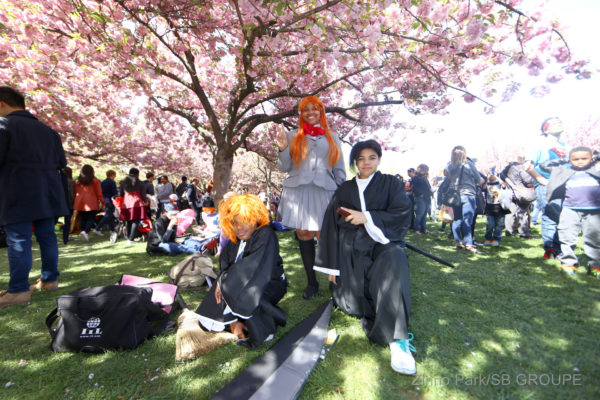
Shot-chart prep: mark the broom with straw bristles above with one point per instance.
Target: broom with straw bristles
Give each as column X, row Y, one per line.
column 191, row 340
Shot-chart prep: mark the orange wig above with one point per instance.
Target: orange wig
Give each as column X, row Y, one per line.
column 248, row 209
column 298, row 147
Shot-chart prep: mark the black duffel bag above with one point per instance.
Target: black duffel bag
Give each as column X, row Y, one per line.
column 102, row 318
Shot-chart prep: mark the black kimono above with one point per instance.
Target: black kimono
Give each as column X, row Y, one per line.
column 251, row 286
column 373, row 279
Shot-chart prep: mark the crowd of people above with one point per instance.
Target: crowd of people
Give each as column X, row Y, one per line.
column 554, row 181
column 351, row 230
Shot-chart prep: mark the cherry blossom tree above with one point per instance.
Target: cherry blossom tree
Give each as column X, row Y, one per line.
column 208, row 78
column 586, row 134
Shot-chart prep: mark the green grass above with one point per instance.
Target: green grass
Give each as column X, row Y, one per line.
column 506, row 315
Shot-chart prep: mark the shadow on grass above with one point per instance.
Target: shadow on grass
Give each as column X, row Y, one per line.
column 149, row 371
column 505, row 314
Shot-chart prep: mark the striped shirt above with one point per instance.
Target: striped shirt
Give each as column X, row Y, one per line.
column 582, row 192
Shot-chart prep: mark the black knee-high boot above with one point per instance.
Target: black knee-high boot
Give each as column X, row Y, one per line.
column 307, row 251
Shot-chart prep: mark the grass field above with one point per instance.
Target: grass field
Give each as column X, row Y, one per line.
column 505, row 324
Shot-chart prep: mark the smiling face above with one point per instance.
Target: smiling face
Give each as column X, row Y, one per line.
column 242, row 230
column 311, row 114
column 367, row 163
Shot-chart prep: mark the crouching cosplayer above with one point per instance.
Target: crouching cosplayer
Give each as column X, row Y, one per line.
column 362, row 250
column 251, row 282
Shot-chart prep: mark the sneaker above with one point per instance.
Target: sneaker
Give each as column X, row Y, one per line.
column 8, row 299
column 113, row 236
column 402, row 360
column 460, row 246
column 130, row 242
column 550, row 254
column 594, row 271
column 487, row 243
column 568, row 269
column 48, row 286
column 97, row 233
column 495, row 243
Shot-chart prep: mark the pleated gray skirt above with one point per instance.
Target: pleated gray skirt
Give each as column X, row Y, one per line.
column 303, row 207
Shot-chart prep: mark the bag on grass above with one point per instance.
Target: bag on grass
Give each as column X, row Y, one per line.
column 106, row 317
column 193, row 271
column 163, row 293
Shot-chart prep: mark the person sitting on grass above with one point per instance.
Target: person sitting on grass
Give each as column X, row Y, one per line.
column 251, row 280
column 161, row 240
column 362, row 250
column 578, row 185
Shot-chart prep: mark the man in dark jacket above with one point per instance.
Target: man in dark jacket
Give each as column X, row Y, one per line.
column 182, row 201
column 194, row 200
column 31, row 156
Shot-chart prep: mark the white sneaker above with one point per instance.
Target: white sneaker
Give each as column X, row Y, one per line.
column 97, row 233
column 130, row 242
column 85, row 236
column 402, row 360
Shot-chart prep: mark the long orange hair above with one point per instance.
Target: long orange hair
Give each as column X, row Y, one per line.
column 298, row 146
column 248, row 208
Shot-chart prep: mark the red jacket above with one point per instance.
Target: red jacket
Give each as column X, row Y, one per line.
column 88, row 197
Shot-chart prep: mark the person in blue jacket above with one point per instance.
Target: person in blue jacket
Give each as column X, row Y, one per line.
column 33, row 194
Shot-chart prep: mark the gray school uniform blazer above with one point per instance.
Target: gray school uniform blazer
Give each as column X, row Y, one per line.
column 315, row 167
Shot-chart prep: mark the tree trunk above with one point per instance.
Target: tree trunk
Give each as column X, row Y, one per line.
column 222, row 173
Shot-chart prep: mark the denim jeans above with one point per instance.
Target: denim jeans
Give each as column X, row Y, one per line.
column 109, row 216
column 420, row 214
column 18, row 238
column 549, row 229
column 190, row 246
column 494, row 227
column 463, row 219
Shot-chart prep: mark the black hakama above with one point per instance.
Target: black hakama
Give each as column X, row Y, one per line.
column 374, row 279
column 250, row 287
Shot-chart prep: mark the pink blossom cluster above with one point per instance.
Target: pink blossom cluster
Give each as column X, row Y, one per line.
column 190, row 86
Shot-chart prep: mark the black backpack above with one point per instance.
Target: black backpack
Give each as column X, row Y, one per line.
column 107, row 317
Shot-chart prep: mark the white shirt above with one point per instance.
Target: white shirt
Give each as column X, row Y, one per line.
column 373, row 230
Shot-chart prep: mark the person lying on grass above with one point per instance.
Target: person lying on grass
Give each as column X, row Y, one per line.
column 161, row 240
column 362, row 250
column 251, row 280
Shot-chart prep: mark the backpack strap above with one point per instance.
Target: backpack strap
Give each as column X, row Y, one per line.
column 53, row 316
column 189, row 262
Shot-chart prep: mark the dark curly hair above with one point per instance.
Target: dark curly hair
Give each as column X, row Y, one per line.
column 360, row 146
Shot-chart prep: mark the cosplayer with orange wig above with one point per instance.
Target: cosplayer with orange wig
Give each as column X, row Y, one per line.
column 312, row 157
column 251, row 281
